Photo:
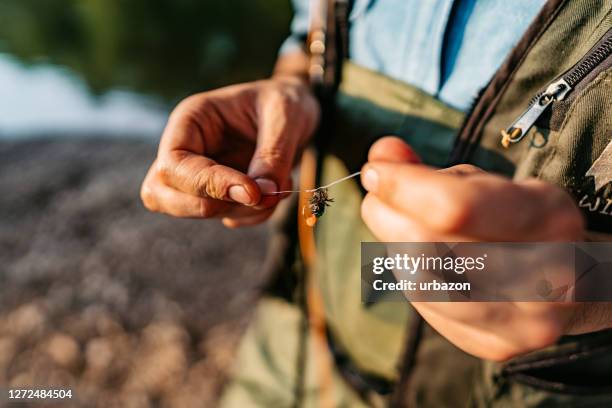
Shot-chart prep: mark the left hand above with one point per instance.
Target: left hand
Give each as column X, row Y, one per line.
column 407, row 201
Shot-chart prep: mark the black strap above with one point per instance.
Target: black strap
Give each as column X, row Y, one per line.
column 362, row 383
column 336, row 51
column 413, row 339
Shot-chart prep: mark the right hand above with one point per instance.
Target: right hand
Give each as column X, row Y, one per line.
column 223, row 150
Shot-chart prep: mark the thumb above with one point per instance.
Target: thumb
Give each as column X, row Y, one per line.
column 276, row 146
column 393, row 149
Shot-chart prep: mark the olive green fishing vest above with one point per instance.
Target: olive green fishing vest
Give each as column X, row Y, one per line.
column 568, row 144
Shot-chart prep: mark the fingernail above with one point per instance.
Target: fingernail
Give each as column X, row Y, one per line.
column 370, row 179
column 267, row 186
column 239, row 194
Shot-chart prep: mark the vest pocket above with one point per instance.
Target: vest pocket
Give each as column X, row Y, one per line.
column 559, row 94
column 556, row 116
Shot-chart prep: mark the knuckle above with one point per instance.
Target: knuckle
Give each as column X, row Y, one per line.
column 366, row 208
column 461, row 169
column 191, row 109
column 274, row 157
column 231, row 223
column 370, row 214
column 563, row 214
column 282, row 96
column 147, row 197
column 282, row 101
column 468, row 169
column 186, row 107
column 457, row 213
column 203, row 187
column 206, row 185
column 164, row 169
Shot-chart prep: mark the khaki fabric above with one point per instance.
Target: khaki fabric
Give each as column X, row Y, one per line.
column 374, row 334
column 579, row 25
column 267, row 372
column 560, row 149
column 369, row 106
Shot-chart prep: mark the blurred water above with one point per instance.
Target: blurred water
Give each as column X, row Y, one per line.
column 116, row 67
column 47, row 100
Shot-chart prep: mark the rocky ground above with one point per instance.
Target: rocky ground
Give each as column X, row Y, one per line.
column 127, row 308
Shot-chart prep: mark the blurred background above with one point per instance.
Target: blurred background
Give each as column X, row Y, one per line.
column 124, row 307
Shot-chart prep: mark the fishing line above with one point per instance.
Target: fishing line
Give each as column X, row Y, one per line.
column 318, row 188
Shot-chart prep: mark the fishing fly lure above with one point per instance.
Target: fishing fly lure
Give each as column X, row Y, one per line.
column 317, row 203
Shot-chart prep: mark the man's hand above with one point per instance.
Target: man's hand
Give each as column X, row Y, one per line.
column 223, row 150
column 411, row 202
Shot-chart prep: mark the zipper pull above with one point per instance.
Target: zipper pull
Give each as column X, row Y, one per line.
column 556, row 91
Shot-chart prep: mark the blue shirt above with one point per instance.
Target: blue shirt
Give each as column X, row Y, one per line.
column 448, row 50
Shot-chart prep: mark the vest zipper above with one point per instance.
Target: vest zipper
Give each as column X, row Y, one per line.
column 468, row 138
column 557, row 91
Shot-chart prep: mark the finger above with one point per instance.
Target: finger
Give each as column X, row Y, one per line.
column 462, row 170
column 200, row 122
column 158, row 197
column 203, row 177
column 389, row 225
column 560, row 218
column 279, row 130
column 270, row 201
column 392, row 149
column 195, row 129
column 417, row 191
column 182, row 131
column 482, row 205
column 240, row 211
column 247, row 221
